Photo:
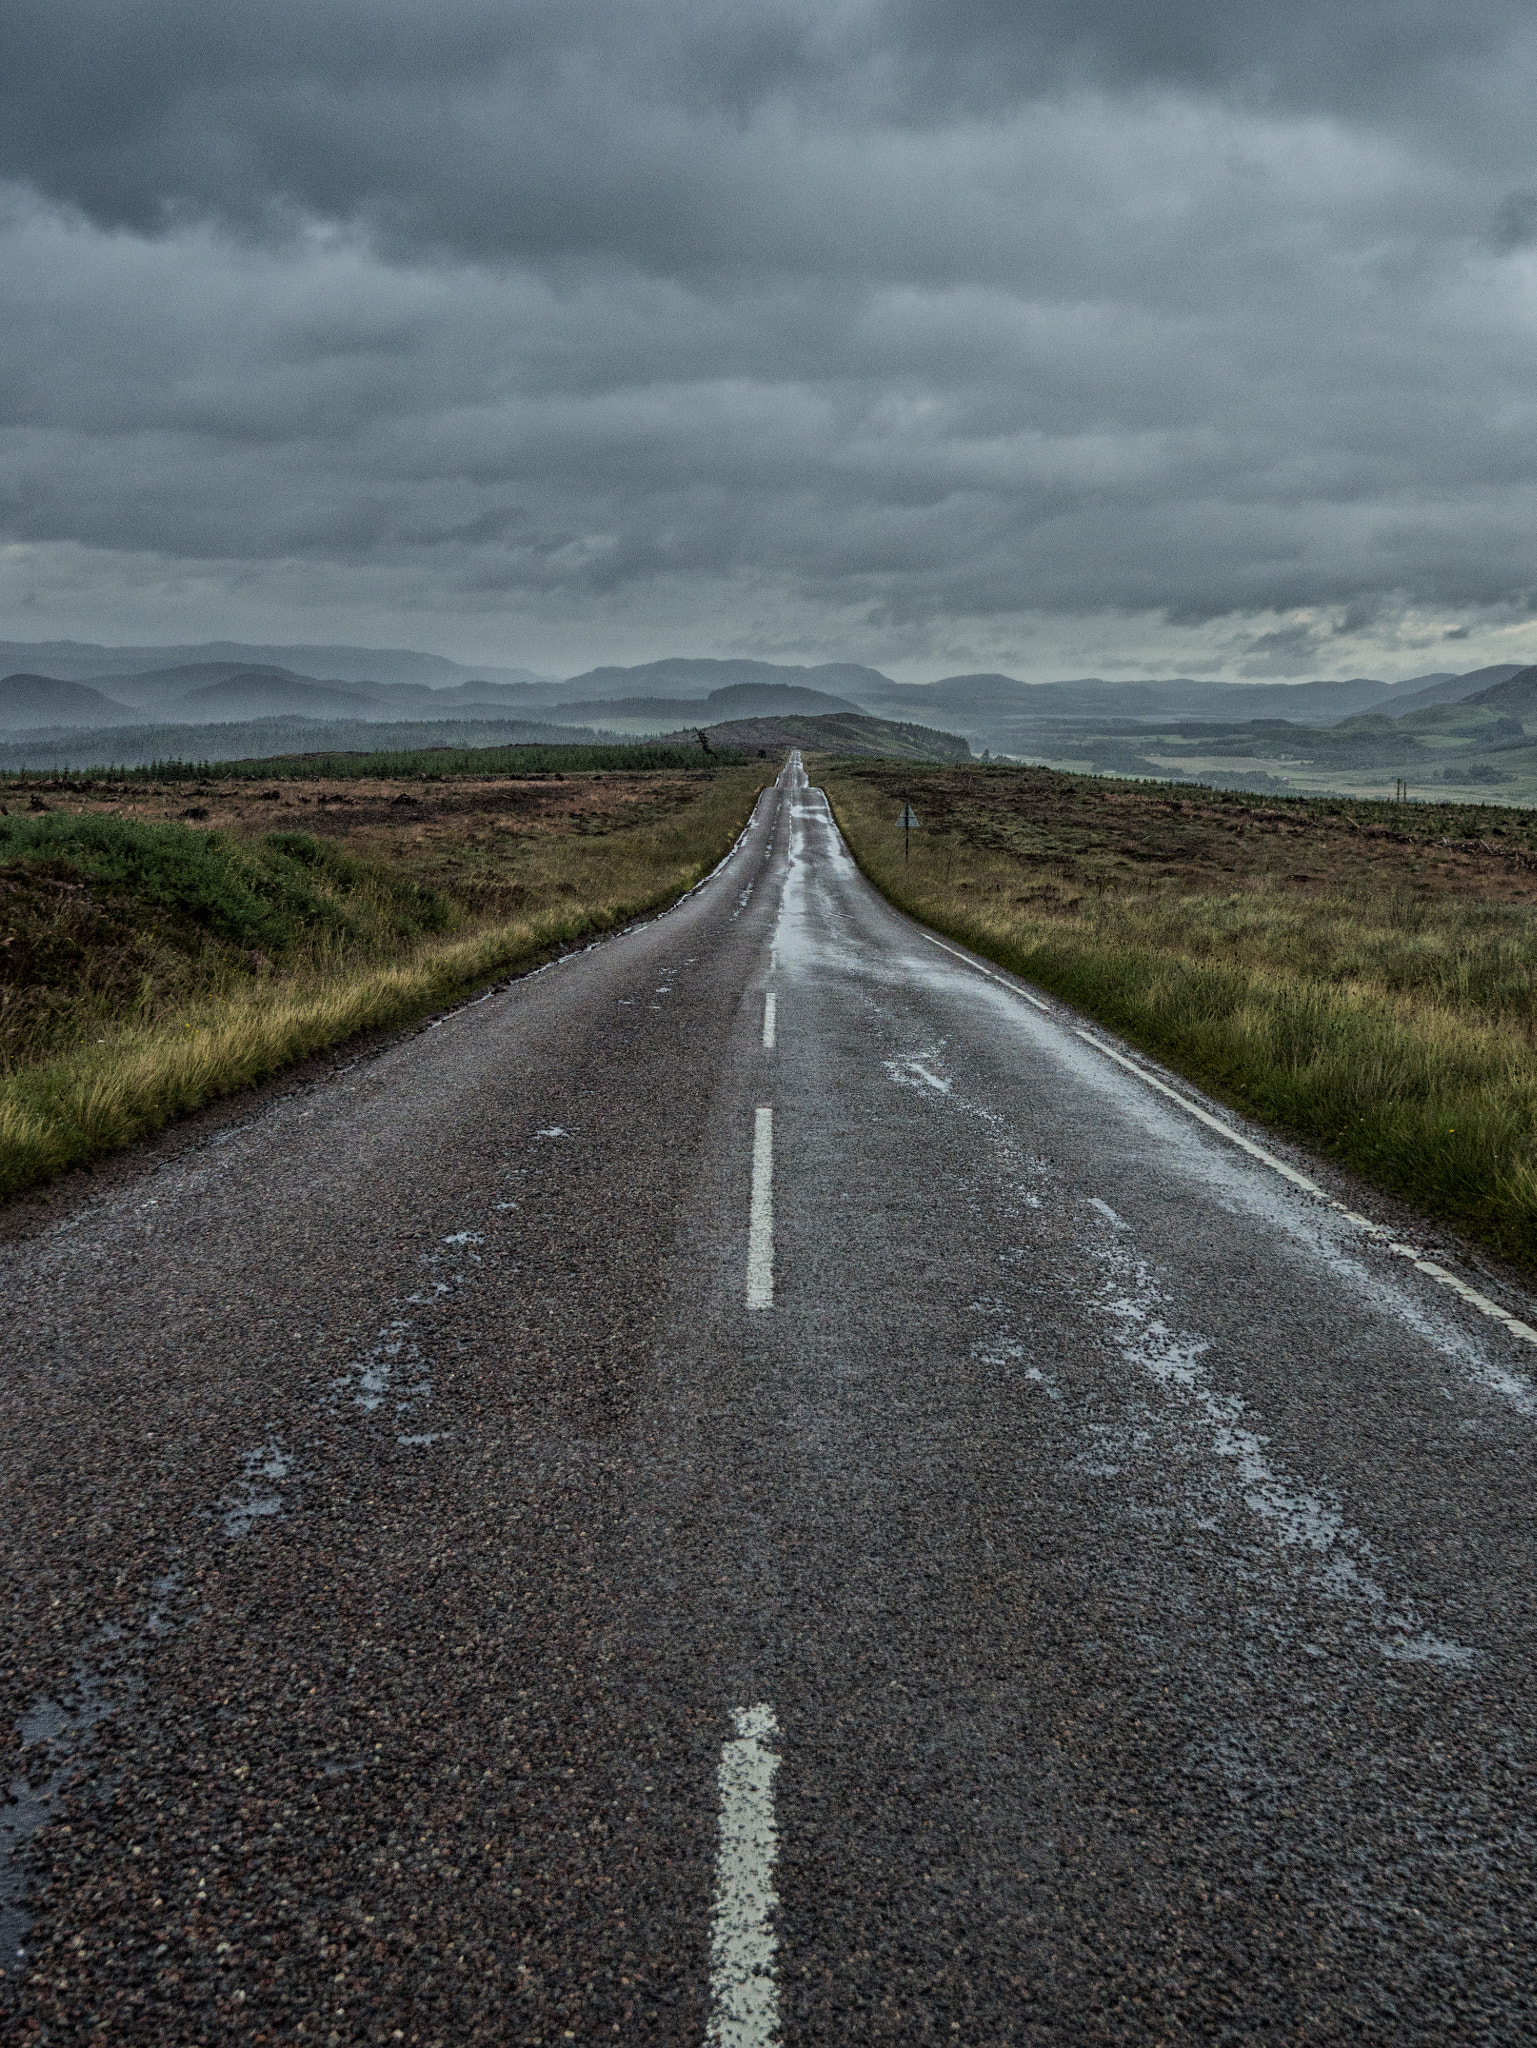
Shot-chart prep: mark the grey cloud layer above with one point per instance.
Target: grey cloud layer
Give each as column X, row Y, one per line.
column 538, row 130
column 928, row 313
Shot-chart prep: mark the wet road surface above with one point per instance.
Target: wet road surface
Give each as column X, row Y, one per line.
column 759, row 1486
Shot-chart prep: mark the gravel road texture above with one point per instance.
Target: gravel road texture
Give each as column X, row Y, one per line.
column 401, row 1497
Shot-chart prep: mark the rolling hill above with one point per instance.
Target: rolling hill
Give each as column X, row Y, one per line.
column 841, row 733
column 690, row 681
column 271, row 693
column 738, row 700
column 27, row 700
column 83, row 748
column 996, row 706
column 84, row 661
column 1514, row 695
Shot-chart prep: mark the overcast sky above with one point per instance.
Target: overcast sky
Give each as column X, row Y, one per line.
column 1191, row 337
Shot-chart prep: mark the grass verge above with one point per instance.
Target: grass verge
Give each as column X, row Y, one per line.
column 197, row 1012
column 1374, row 999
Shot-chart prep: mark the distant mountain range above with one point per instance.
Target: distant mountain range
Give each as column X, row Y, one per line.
column 997, row 711
column 223, row 691
column 219, row 691
column 735, row 700
column 82, row 661
column 63, row 685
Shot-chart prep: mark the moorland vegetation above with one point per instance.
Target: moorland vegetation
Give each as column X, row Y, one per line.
column 167, row 939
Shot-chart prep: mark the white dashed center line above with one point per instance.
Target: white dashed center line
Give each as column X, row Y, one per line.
column 744, row 1990
column 769, row 1006
column 760, row 1230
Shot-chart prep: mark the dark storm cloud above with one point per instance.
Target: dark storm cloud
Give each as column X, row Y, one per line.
column 1384, row 55
column 925, row 312
column 538, row 129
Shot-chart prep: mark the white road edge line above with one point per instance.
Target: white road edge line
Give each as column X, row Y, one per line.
column 770, row 1005
column 760, row 1229
column 1383, row 1236
column 1013, row 987
column 744, row 1989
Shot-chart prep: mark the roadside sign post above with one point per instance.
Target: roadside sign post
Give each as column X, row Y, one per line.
column 908, row 820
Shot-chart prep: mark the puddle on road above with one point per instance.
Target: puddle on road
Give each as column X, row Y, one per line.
column 252, row 1499
column 52, row 1735
column 1335, row 1557
column 394, row 1367
column 55, row 1737
column 1216, row 1437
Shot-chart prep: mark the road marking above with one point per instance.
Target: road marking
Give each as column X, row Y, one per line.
column 769, row 1007
column 760, row 1230
column 977, row 968
column 744, row 1991
column 1383, row 1236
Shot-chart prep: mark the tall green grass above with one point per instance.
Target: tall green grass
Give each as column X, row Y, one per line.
column 1392, row 1033
column 267, row 893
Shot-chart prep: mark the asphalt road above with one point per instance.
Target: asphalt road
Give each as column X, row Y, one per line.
column 594, row 1525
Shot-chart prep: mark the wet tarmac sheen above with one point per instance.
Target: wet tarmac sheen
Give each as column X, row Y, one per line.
column 753, row 1487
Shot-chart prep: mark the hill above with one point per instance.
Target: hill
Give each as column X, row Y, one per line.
column 1449, row 689
column 479, row 691
column 220, row 690
column 1514, row 695
column 268, row 691
column 996, row 706
column 689, row 680
column 843, row 733
column 272, row 693
column 741, row 700
column 27, row 700
column 165, row 685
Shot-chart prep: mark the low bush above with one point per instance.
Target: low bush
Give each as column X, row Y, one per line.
column 270, row 892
